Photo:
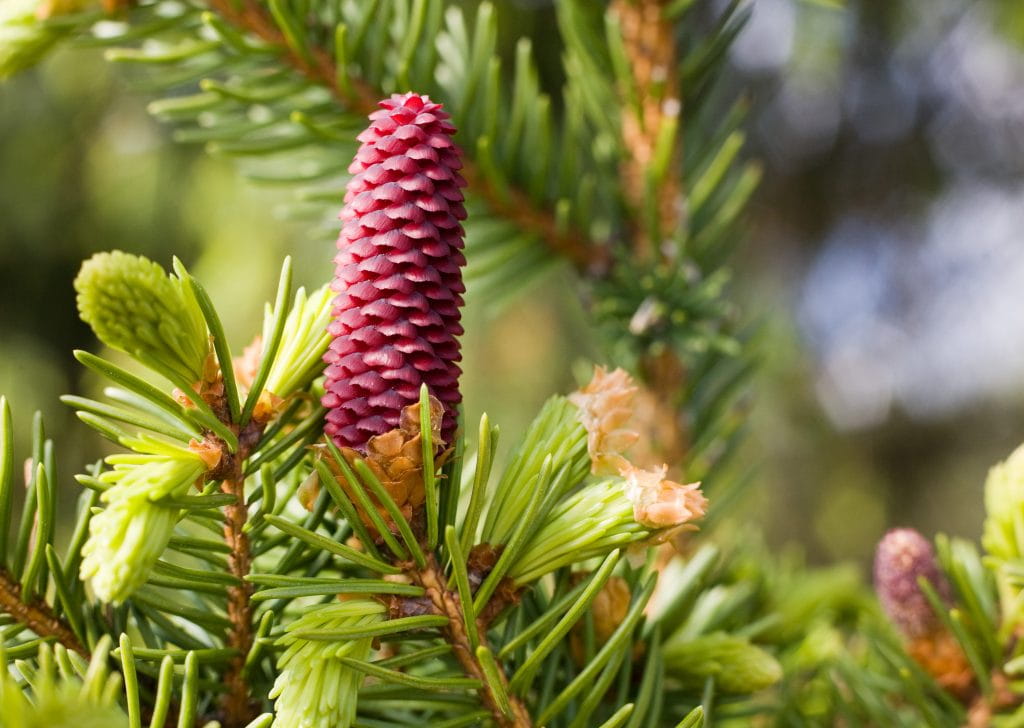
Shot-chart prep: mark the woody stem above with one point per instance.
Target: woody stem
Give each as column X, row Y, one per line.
column 37, row 615
column 446, row 602
column 237, row 706
column 236, row 702
column 648, row 37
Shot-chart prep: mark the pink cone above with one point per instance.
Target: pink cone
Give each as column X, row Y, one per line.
column 398, row 274
column 901, row 558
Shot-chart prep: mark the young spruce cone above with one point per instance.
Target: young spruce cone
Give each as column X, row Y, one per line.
column 398, row 275
column 903, row 556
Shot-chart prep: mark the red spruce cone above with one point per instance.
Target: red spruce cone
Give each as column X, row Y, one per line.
column 901, row 558
column 398, row 275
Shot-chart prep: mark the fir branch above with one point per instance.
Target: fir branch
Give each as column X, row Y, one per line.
column 317, row 64
column 37, row 615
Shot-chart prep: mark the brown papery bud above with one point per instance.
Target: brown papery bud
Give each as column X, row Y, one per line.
column 661, row 503
column 396, row 458
column 605, row 406
column 941, row 657
column 608, row 609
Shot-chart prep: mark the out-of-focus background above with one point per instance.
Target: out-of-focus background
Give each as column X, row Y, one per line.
column 886, row 255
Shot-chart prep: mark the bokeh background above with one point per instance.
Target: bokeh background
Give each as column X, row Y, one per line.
column 885, row 260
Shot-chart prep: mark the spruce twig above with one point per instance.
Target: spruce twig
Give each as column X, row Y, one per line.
column 37, row 615
column 236, row 703
column 648, row 42
column 446, row 602
column 318, row 65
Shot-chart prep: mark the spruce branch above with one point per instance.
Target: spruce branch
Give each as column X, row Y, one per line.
column 237, row 703
column 317, row 63
column 571, row 526
column 151, row 484
column 507, row 710
column 652, row 255
column 651, row 122
column 394, row 336
column 37, row 615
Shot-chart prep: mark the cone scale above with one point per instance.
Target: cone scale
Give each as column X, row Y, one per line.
column 398, row 275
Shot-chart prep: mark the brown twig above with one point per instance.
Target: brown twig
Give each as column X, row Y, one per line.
column 37, row 615
column 446, row 602
column 649, row 41
column 317, row 64
column 237, row 704
column 237, row 707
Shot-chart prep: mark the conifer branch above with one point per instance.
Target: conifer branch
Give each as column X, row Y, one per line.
column 617, row 174
column 37, row 615
column 651, row 116
column 446, row 602
column 317, row 65
column 237, row 703
column 648, row 38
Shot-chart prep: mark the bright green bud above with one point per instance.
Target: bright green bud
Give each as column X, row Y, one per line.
column 584, row 433
column 125, row 541
column 1003, row 535
column 61, row 701
column 134, row 306
column 314, row 689
column 556, row 431
column 589, row 523
column 128, row 536
column 822, row 644
column 1003, row 532
column 640, row 505
column 65, row 706
column 24, row 38
column 832, row 590
column 300, row 358
column 737, row 665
